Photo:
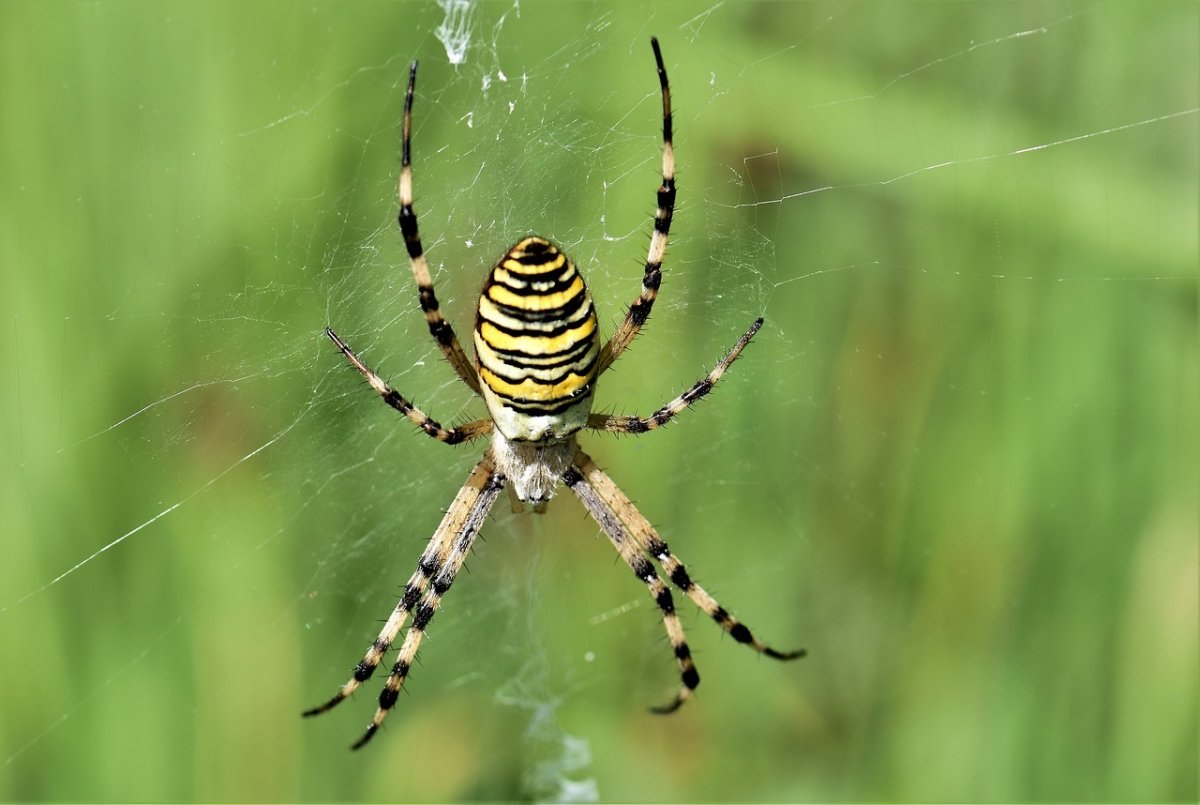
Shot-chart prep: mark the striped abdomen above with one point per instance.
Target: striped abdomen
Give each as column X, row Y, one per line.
column 536, row 343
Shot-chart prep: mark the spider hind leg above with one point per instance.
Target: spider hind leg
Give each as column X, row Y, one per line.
column 647, row 540
column 577, row 481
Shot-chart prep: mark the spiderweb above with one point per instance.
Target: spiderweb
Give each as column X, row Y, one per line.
column 208, row 512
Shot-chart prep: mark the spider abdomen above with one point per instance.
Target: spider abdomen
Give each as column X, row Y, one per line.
column 536, row 343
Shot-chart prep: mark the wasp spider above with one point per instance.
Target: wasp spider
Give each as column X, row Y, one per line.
column 538, row 356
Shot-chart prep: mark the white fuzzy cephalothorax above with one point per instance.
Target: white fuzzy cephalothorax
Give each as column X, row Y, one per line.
column 533, row 468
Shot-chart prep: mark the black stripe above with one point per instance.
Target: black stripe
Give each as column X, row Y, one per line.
column 561, row 282
column 442, row 332
column 427, row 297
column 664, row 601
column 537, row 272
column 666, row 204
column 553, row 332
column 531, row 408
column 639, row 311
column 393, row 398
column 564, row 311
column 643, row 569
column 740, row 633
column 568, row 355
column 512, row 361
column 581, row 371
column 701, row 388
column 679, row 577
column 691, row 678
column 653, row 276
column 535, row 253
column 372, row 728
column 408, row 228
column 423, row 616
column 552, row 405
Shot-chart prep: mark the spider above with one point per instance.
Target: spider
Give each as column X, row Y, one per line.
column 538, row 357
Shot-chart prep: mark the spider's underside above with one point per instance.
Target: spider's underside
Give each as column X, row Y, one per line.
column 538, row 356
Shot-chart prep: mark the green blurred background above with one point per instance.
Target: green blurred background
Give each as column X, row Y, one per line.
column 959, row 464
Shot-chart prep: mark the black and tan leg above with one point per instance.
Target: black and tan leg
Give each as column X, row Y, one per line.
column 639, row 311
column 699, row 389
column 431, row 427
column 433, row 559
column 439, row 328
column 610, row 523
column 647, row 539
column 462, row 523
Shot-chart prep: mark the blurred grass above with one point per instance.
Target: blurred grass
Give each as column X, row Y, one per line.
column 959, row 464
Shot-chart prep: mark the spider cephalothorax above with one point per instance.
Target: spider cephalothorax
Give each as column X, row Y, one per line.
column 538, row 356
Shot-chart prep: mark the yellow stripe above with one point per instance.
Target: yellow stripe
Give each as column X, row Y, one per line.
column 539, row 302
column 502, row 277
column 535, row 345
column 529, row 390
column 523, row 245
column 556, row 261
column 489, row 312
column 496, row 362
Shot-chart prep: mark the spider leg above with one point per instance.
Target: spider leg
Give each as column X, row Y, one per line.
column 647, row 539
column 461, row 525
column 439, row 328
column 578, row 480
column 634, row 424
column 639, row 311
column 433, row 558
column 462, row 433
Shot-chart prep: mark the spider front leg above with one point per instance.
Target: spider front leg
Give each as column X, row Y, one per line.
column 699, row 389
column 639, row 311
column 462, row 433
column 439, row 328
column 648, row 540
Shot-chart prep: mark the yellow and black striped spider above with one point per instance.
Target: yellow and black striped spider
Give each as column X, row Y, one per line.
column 538, row 357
